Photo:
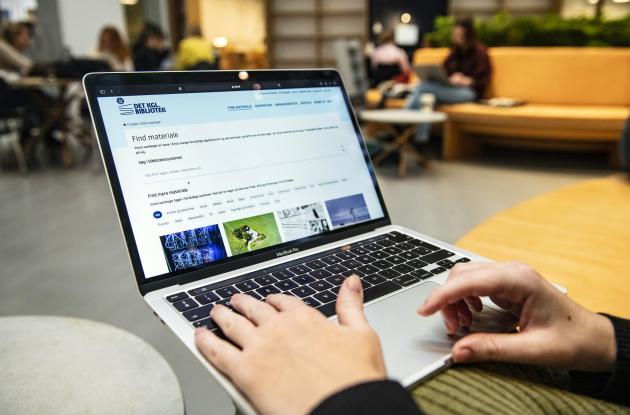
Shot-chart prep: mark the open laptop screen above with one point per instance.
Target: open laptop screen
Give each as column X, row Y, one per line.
column 212, row 172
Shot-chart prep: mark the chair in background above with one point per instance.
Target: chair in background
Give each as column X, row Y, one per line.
column 10, row 128
column 12, row 117
column 384, row 72
column 351, row 65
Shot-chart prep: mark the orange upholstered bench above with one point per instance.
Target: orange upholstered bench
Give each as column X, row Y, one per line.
column 575, row 98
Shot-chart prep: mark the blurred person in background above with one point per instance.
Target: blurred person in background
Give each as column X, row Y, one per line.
column 151, row 50
column 468, row 69
column 467, row 66
column 194, row 52
column 113, row 50
column 16, row 39
column 389, row 62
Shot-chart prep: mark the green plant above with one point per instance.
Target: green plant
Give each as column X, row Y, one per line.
column 503, row 29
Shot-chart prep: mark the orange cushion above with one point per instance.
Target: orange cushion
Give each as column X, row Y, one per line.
column 580, row 76
column 522, row 113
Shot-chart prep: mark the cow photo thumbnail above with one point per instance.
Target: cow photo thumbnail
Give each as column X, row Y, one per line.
column 250, row 234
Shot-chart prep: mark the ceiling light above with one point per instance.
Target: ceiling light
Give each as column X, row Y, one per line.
column 405, row 17
column 219, row 42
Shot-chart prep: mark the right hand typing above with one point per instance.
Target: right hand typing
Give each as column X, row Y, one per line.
column 553, row 329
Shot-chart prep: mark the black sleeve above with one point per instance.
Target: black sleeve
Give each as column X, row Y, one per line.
column 609, row 386
column 380, row 397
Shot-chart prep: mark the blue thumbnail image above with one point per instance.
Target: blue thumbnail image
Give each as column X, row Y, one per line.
column 347, row 210
column 193, row 247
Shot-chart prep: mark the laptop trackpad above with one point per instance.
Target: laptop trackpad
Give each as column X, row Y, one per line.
column 416, row 346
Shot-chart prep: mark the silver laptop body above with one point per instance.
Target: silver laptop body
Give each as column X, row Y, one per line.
column 218, row 175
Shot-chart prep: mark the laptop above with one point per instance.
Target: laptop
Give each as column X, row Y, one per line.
column 434, row 73
column 260, row 182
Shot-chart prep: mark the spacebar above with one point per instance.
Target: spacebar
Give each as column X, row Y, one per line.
column 379, row 290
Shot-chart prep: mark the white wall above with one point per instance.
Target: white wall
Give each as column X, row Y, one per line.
column 17, row 9
column 82, row 20
column 242, row 22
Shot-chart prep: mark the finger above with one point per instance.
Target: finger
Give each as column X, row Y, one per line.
column 464, row 316
column 349, row 304
column 474, row 303
column 255, row 311
column 480, row 347
column 283, row 302
column 221, row 354
column 462, row 268
column 483, row 282
column 235, row 327
column 451, row 321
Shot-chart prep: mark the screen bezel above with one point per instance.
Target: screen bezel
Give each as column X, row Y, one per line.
column 95, row 81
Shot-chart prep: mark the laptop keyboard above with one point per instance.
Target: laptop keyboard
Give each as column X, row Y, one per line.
column 385, row 264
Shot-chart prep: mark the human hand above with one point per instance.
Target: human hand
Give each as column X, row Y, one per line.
column 289, row 356
column 459, row 79
column 553, row 329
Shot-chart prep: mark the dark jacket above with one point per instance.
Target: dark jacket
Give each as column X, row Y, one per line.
column 389, row 397
column 473, row 62
column 147, row 59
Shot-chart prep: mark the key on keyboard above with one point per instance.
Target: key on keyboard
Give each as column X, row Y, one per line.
column 207, row 298
column 283, row 274
column 265, row 280
column 183, row 305
column 246, row 285
column 325, row 297
column 303, row 291
column 176, row 297
column 198, row 313
column 227, row 292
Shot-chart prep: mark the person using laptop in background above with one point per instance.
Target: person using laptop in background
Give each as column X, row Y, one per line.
column 468, row 69
column 334, row 368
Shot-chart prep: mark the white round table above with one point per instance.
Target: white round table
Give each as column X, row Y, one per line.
column 409, row 118
column 59, row 365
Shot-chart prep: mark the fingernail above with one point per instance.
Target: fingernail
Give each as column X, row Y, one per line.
column 353, row 283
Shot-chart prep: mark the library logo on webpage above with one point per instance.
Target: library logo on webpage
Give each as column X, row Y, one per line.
column 138, row 107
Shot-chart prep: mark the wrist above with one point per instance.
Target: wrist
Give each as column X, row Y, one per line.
column 599, row 348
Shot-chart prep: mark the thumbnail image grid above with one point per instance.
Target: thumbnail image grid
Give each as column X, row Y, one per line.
column 302, row 221
column 347, row 210
column 250, row 234
column 193, row 247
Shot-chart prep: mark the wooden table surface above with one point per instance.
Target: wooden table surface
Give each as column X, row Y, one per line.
column 577, row 236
